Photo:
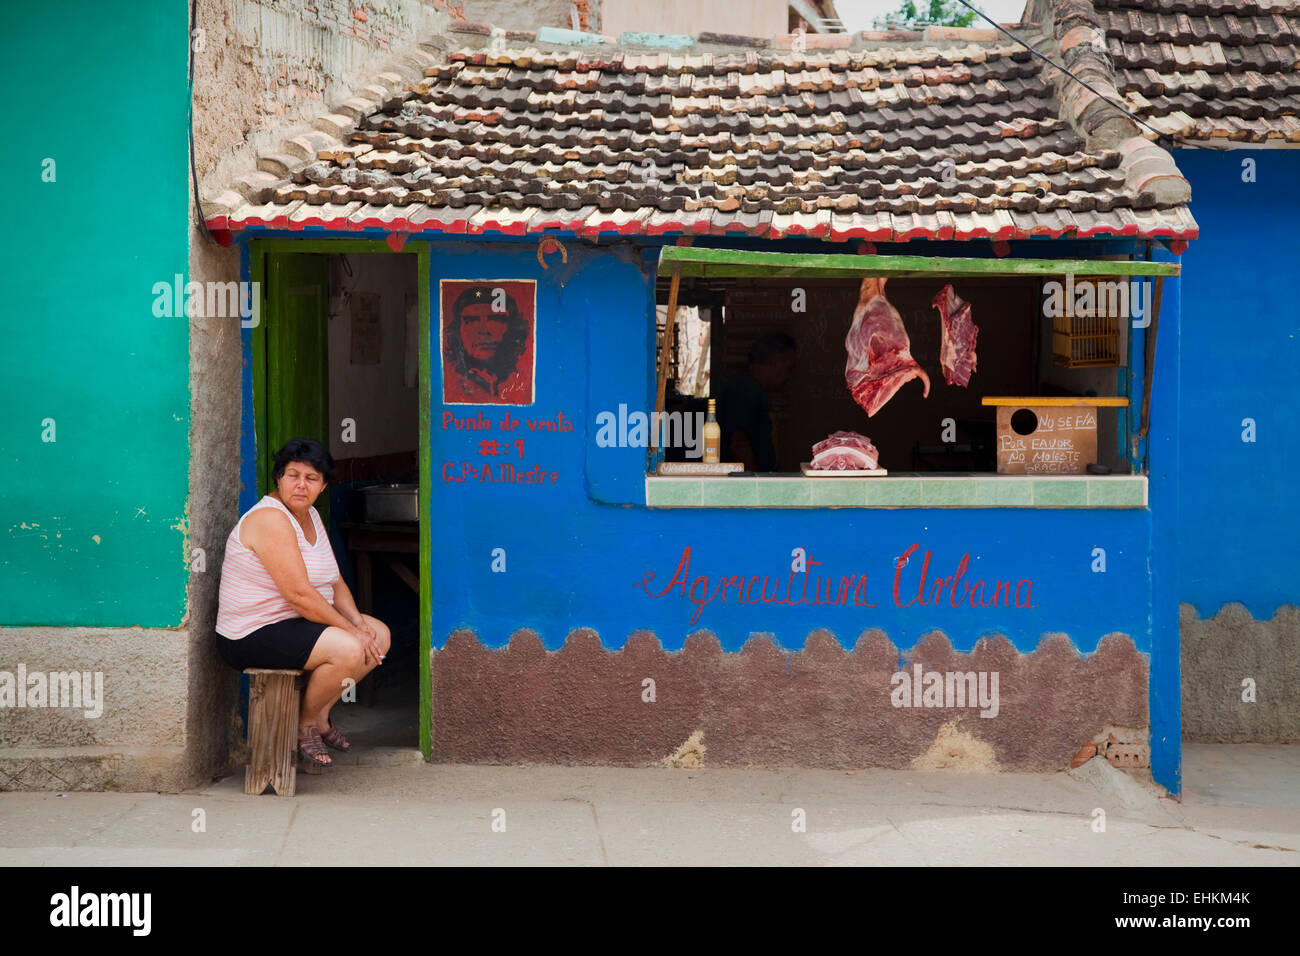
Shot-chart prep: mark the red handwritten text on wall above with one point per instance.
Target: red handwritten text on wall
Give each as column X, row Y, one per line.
column 495, row 450
column 821, row 589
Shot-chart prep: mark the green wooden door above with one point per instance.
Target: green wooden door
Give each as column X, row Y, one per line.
column 297, row 355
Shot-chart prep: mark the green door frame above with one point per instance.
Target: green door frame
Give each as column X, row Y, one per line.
column 258, row 249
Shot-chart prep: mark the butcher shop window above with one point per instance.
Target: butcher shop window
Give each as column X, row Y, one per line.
column 887, row 373
column 911, row 378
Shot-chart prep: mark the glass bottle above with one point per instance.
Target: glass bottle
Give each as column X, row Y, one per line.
column 712, row 435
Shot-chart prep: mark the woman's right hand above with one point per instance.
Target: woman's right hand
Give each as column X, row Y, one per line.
column 368, row 645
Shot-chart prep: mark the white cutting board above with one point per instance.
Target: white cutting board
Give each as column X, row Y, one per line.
column 809, row 472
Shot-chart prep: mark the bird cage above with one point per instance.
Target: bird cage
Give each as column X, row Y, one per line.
column 1087, row 336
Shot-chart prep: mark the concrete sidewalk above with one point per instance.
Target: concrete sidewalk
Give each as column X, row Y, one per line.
column 1241, row 807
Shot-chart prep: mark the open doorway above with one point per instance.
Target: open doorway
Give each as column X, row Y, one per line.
column 340, row 360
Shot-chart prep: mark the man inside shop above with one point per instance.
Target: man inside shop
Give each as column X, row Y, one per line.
column 745, row 406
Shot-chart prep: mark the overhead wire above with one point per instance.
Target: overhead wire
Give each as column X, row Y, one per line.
column 1161, row 138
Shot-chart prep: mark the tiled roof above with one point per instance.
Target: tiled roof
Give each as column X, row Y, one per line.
column 877, row 142
column 1206, row 70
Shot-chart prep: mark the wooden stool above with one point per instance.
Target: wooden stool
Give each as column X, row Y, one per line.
column 273, row 703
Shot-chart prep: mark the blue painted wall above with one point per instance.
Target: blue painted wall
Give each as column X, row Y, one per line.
column 577, row 551
column 1165, row 470
column 1240, row 355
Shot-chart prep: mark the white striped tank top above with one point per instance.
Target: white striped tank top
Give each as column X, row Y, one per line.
column 248, row 597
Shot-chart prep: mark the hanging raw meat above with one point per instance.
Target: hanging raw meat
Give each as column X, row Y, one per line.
column 844, row 451
column 880, row 358
column 957, row 345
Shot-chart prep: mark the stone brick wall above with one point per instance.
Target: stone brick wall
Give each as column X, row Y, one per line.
column 263, row 65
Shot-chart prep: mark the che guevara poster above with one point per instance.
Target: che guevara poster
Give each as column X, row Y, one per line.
column 489, row 341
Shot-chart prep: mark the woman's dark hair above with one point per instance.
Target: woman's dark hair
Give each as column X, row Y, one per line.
column 304, row 450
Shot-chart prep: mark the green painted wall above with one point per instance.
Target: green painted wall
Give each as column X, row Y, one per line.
column 92, row 525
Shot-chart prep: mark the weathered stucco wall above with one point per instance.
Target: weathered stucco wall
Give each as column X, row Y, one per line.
column 216, row 365
column 821, row 706
column 138, row 740
column 533, row 14
column 1241, row 676
column 762, row 18
column 1239, row 567
column 269, row 65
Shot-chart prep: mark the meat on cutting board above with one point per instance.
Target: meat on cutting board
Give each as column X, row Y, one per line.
column 844, row 451
column 880, row 359
column 957, row 344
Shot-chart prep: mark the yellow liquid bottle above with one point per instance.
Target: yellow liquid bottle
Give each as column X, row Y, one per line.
column 712, row 435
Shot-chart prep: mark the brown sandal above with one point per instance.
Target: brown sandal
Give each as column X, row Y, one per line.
column 312, row 747
column 334, row 737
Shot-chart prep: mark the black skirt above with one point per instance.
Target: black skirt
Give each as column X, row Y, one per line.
column 284, row 645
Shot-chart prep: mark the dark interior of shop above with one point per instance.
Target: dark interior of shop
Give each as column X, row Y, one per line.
column 948, row 431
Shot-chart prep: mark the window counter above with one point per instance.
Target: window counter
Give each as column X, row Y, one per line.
column 899, row 490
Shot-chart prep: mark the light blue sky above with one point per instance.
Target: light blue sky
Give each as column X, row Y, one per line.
column 858, row 14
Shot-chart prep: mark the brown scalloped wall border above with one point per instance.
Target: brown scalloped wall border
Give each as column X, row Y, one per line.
column 822, row 706
column 1220, row 652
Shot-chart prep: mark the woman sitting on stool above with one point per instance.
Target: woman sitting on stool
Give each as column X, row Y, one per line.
column 283, row 605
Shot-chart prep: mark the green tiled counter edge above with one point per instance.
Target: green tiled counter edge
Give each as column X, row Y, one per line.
column 939, row 491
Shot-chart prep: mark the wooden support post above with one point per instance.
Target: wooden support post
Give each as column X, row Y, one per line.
column 1149, row 370
column 699, row 368
column 273, row 703
column 664, row 354
column 669, row 326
